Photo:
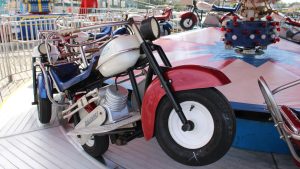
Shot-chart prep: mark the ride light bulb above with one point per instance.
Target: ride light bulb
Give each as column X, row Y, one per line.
column 252, row 36
column 223, row 28
column 273, row 36
column 235, row 24
column 235, row 18
column 269, row 17
column 252, row 19
column 277, row 23
column 234, row 37
column 228, row 30
column 228, row 43
column 257, row 32
column 263, row 36
column 277, row 39
column 273, row 24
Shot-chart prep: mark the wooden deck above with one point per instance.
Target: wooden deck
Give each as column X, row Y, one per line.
column 25, row 143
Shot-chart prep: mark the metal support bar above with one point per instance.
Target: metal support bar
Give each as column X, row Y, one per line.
column 148, row 78
column 35, row 101
column 165, row 84
column 285, row 86
column 135, row 88
column 162, row 54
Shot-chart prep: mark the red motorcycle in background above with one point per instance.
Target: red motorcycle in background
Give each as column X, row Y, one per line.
column 191, row 17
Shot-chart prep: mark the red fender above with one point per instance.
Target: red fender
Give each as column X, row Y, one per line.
column 182, row 78
column 189, row 15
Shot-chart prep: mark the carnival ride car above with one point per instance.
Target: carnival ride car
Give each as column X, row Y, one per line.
column 101, row 111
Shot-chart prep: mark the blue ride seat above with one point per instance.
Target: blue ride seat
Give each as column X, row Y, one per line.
column 67, row 75
column 226, row 9
column 105, row 31
column 121, row 31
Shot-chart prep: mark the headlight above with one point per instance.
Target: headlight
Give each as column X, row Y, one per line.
column 42, row 48
column 150, row 29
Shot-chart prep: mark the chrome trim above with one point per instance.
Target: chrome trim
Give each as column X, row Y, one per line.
column 47, row 85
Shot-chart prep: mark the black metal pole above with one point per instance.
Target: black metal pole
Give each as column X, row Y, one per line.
column 34, row 86
column 162, row 55
column 165, row 84
column 148, row 78
column 135, row 88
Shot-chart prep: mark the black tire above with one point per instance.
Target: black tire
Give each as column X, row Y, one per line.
column 167, row 31
column 100, row 146
column 44, row 107
column 222, row 135
column 183, row 26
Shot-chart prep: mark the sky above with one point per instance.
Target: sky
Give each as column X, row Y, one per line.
column 289, row 1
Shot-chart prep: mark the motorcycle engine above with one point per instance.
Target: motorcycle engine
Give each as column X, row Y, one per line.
column 110, row 108
column 114, row 100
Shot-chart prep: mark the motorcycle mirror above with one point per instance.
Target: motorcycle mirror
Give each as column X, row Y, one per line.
column 42, row 48
column 150, row 29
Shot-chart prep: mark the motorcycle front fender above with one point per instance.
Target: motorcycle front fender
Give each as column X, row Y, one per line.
column 184, row 77
column 189, row 15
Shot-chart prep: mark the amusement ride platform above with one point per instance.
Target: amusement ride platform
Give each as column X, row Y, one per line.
column 25, row 143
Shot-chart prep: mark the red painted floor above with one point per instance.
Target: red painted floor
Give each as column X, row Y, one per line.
column 279, row 64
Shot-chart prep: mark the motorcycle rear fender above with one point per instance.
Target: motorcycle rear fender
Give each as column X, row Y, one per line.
column 184, row 77
column 189, row 15
column 41, row 86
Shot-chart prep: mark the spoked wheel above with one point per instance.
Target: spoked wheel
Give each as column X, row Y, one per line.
column 44, row 107
column 97, row 145
column 187, row 23
column 213, row 131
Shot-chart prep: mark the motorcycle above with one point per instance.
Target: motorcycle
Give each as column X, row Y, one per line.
column 163, row 20
column 192, row 121
column 286, row 119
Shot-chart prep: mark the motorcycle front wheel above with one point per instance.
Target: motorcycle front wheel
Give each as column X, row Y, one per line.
column 213, row 132
column 187, row 23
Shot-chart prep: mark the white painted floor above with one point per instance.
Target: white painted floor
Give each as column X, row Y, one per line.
column 25, row 143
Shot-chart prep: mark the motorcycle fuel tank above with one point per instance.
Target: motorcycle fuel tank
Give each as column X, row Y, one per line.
column 119, row 55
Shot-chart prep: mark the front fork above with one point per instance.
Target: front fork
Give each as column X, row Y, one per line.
column 34, row 82
column 165, row 83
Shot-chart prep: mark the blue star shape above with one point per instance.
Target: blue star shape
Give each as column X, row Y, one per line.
column 270, row 54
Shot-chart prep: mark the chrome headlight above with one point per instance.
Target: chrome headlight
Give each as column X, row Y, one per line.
column 150, row 29
column 42, row 48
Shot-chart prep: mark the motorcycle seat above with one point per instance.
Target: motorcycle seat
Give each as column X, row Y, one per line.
column 165, row 15
column 67, row 75
column 291, row 119
column 226, row 9
column 105, row 31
